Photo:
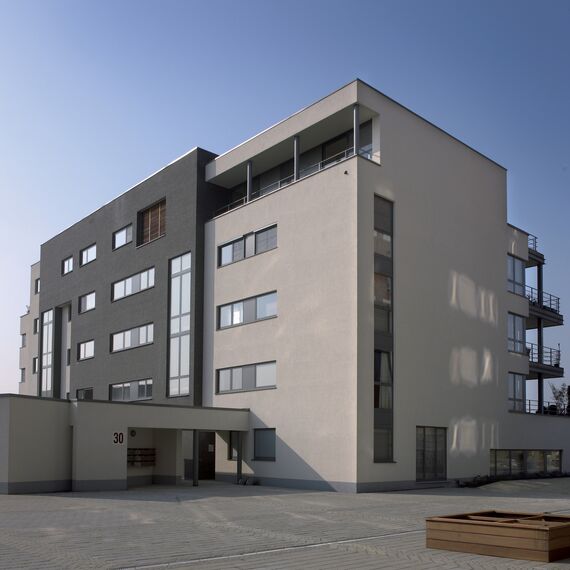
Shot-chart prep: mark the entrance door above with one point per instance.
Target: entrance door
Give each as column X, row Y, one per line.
column 207, row 466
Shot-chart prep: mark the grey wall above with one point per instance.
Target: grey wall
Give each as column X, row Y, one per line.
column 189, row 202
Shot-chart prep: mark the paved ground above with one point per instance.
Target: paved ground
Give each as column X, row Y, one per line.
column 220, row 526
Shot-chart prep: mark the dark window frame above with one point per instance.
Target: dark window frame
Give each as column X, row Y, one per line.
column 256, row 320
column 243, row 239
column 140, row 230
column 63, row 271
column 261, row 458
column 114, row 246
column 436, row 478
column 81, row 251
column 79, row 311
column 84, row 391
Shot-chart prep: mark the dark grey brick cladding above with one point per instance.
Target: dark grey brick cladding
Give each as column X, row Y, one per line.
column 190, row 202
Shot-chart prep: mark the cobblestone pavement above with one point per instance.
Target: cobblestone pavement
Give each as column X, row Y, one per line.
column 219, row 526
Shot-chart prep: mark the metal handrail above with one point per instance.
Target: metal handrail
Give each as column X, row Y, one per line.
column 547, row 409
column 532, row 242
column 543, row 300
column 543, row 355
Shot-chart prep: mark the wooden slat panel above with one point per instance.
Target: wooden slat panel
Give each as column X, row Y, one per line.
column 490, row 540
column 483, row 528
column 517, row 553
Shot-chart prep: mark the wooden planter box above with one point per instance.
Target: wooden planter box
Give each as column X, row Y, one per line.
column 525, row 536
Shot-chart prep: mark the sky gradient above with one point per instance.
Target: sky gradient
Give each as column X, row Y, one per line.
column 95, row 96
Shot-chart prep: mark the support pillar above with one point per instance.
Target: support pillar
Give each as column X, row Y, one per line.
column 239, row 458
column 249, row 179
column 356, row 127
column 195, row 457
column 296, row 155
column 540, row 383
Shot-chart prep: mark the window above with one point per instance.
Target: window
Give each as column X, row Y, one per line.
column 247, row 246
column 84, row 394
column 23, row 340
column 37, row 286
column 133, row 284
column 233, row 446
column 86, row 350
column 264, row 444
column 516, row 333
column 180, row 308
column 383, row 442
column 151, row 223
column 515, row 275
column 517, row 392
column 520, row 462
column 247, row 377
column 139, row 336
column 35, row 365
column 47, row 352
column 87, row 302
column 266, row 306
column 36, row 325
column 123, row 236
column 382, row 290
column 382, row 380
column 431, row 453
column 67, row 265
column 248, row 310
column 22, row 375
column 88, row 255
column 382, row 243
column 131, row 391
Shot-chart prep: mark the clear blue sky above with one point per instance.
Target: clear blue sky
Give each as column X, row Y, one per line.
column 95, row 96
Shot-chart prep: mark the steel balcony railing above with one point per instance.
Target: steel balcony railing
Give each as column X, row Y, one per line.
column 532, row 242
column 543, row 300
column 550, row 356
column 547, row 409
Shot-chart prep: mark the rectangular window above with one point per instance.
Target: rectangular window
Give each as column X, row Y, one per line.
column 520, row 462
column 35, row 365
column 264, row 444
column 86, row 350
column 23, row 340
column 67, row 265
column 247, row 246
column 84, row 394
column 22, row 375
column 131, row 338
column 516, row 333
column 431, row 453
column 382, row 380
column 36, row 325
column 515, row 275
column 87, row 302
column 133, row 284
column 266, row 306
column 179, row 315
column 382, row 244
column 131, row 391
column 233, row 446
column 88, row 255
column 517, row 392
column 47, row 352
column 382, row 290
column 247, row 310
column 151, row 223
column 123, row 236
column 37, row 286
column 248, row 377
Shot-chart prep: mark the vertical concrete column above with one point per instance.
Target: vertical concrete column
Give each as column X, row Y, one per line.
column 239, row 457
column 195, row 457
column 296, row 156
column 356, row 127
column 249, row 180
column 539, row 283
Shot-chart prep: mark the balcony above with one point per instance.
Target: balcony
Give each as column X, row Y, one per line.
column 543, row 306
column 534, row 256
column 543, row 360
column 535, row 407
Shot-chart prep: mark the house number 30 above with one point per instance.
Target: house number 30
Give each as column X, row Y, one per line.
column 118, row 438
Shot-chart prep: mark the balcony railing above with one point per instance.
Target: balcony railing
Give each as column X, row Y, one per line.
column 532, row 242
column 550, row 356
column 366, row 152
column 543, row 300
column 547, row 409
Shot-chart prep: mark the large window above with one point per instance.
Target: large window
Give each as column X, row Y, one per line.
column 248, row 310
column 382, row 380
column 47, row 352
column 520, row 462
column 247, row 246
column 86, row 350
column 84, row 393
column 517, row 392
column 151, row 223
column 515, row 275
column 131, row 338
column 87, row 302
column 264, row 444
column 67, row 265
column 248, row 377
column 133, row 284
column 180, row 306
column 516, row 333
column 431, row 453
column 123, row 236
column 88, row 255
column 131, row 391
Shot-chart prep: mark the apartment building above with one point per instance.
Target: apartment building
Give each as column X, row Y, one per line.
column 336, row 303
